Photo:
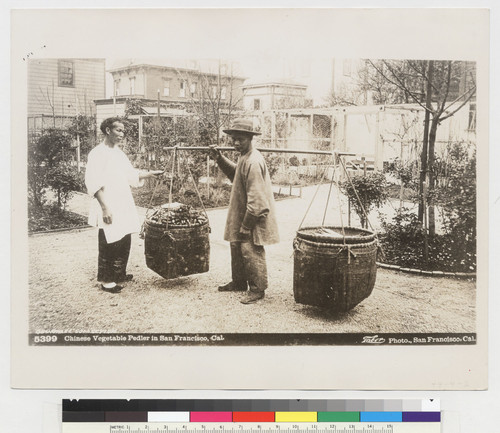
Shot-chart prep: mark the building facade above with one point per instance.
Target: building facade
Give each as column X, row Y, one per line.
column 175, row 84
column 274, row 95
column 60, row 89
column 175, row 87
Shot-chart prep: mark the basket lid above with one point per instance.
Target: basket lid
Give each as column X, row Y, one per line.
column 336, row 235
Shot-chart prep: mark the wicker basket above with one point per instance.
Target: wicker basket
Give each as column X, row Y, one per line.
column 330, row 273
column 176, row 251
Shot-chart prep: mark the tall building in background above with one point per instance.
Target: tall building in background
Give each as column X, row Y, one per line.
column 175, row 84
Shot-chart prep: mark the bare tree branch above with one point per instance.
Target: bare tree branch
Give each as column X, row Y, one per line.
column 447, row 90
column 460, row 106
column 467, row 94
column 397, row 84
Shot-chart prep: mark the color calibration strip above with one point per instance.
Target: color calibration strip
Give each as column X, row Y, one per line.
column 251, row 411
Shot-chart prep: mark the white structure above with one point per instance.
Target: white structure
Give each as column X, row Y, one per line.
column 273, row 95
column 379, row 133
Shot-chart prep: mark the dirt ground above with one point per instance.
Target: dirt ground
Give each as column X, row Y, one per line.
column 64, row 295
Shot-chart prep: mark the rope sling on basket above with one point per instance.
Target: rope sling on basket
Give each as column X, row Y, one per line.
column 176, row 236
column 334, row 267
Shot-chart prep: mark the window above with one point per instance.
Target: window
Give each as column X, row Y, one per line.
column 223, row 92
column 346, row 68
column 166, row 87
column 66, row 73
column 117, row 87
column 182, row 89
column 192, row 90
column 132, row 85
column 214, row 92
column 256, row 104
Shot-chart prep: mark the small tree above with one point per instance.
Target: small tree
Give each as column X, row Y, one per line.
column 43, row 155
column 436, row 87
column 364, row 193
column 458, row 197
column 84, row 127
column 64, row 180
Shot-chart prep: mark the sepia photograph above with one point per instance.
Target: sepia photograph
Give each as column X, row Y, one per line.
column 310, row 197
column 225, row 202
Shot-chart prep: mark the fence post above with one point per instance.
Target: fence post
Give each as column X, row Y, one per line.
column 208, row 177
column 349, row 211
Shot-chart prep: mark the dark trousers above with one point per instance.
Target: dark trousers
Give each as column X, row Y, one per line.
column 113, row 259
column 248, row 265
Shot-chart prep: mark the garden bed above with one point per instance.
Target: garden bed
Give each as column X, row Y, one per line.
column 403, row 241
column 50, row 217
column 218, row 196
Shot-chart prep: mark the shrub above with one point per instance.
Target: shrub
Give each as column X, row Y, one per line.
column 407, row 173
column 458, row 197
column 273, row 162
column 402, row 241
column 44, row 154
column 64, row 180
column 365, row 192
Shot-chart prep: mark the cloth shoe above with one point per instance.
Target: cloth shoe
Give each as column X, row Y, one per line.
column 115, row 289
column 233, row 287
column 251, row 297
column 128, row 277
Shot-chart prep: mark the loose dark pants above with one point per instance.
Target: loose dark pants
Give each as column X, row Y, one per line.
column 113, row 259
column 248, row 265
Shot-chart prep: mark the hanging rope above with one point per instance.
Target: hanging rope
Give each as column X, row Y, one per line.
column 172, row 175
column 196, row 189
column 314, row 196
column 340, row 208
column 357, row 195
column 328, row 197
column 379, row 246
column 174, row 160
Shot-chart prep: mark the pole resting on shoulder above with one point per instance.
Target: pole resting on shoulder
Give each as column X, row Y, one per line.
column 266, row 149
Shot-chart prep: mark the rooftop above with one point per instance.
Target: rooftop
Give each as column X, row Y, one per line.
column 207, row 66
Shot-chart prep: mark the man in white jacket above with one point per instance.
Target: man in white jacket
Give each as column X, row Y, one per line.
column 108, row 178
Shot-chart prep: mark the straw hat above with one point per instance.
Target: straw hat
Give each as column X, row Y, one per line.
column 241, row 125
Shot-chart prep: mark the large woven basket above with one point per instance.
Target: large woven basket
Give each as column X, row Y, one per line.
column 177, row 251
column 334, row 272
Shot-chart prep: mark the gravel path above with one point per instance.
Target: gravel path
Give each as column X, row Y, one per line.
column 64, row 295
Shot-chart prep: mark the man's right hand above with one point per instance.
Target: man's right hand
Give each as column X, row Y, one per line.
column 107, row 216
column 214, row 152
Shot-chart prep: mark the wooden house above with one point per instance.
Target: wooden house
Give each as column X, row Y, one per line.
column 60, row 89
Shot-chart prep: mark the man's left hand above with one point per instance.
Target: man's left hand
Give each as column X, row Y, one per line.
column 245, row 234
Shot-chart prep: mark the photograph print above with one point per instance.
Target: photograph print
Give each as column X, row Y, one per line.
column 316, row 197
column 227, row 202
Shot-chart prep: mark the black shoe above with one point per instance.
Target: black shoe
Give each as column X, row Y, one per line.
column 128, row 277
column 115, row 289
column 251, row 297
column 233, row 287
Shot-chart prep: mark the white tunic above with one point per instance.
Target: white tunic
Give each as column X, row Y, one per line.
column 110, row 169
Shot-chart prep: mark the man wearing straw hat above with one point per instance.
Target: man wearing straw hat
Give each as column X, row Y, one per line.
column 251, row 219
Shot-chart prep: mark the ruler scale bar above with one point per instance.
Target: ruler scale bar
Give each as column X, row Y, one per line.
column 417, row 427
